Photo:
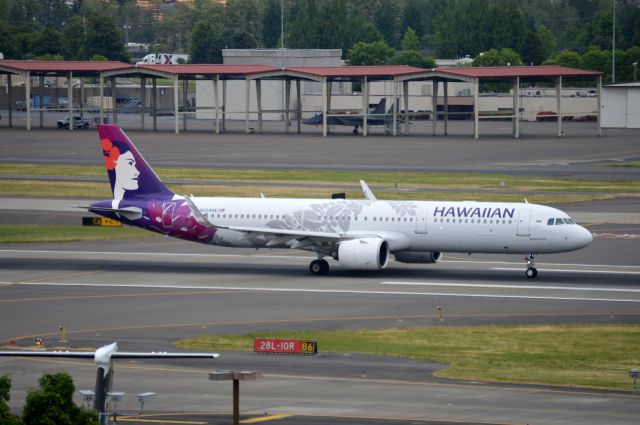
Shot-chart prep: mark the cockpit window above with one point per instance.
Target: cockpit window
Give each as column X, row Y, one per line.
column 559, row 221
column 569, row 221
column 550, row 222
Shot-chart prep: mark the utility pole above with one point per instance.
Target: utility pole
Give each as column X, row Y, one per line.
column 613, row 45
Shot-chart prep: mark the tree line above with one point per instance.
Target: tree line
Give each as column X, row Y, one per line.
column 367, row 31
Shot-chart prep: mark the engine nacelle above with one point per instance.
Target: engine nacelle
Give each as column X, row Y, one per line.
column 417, row 257
column 364, row 254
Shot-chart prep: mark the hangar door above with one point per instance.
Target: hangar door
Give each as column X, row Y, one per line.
column 614, row 108
column 633, row 108
column 621, row 107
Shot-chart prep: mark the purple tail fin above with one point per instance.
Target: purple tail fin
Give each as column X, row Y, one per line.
column 129, row 174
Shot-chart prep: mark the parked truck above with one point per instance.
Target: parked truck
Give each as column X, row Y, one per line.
column 163, row 59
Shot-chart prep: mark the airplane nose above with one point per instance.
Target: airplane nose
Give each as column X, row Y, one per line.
column 584, row 237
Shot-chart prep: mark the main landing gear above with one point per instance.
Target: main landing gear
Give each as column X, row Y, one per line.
column 531, row 271
column 319, row 267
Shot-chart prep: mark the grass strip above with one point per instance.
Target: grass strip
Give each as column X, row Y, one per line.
column 31, row 233
column 633, row 164
column 42, row 188
column 597, row 356
column 405, row 180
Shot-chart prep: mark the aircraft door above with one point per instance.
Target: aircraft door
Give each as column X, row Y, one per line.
column 524, row 223
column 421, row 222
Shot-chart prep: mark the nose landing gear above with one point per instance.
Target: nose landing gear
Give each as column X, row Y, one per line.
column 531, row 272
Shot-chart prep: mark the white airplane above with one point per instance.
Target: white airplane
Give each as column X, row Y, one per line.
column 358, row 234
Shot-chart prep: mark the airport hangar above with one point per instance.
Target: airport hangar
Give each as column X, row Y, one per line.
column 398, row 75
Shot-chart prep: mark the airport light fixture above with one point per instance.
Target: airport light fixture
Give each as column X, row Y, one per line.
column 115, row 397
column 144, row 398
column 87, row 397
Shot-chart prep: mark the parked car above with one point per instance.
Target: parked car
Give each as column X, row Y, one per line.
column 21, row 105
column 546, row 116
column 78, row 122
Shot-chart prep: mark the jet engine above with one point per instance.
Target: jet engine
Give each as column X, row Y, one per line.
column 364, row 254
column 418, row 257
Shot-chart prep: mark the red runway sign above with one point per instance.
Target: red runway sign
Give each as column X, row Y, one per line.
column 284, row 346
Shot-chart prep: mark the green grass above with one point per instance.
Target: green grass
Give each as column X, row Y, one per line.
column 596, row 356
column 19, row 233
column 405, row 180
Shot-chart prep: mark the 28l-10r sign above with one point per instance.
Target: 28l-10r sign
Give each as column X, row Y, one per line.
column 284, row 346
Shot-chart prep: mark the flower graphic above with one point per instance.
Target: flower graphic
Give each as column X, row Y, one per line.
column 110, row 153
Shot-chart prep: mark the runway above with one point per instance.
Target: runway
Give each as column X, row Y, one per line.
column 147, row 293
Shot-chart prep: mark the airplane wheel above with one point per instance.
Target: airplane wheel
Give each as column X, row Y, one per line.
column 318, row 268
column 325, row 266
column 355, row 131
column 531, row 272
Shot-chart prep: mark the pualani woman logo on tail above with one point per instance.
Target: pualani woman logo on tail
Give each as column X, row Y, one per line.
column 121, row 166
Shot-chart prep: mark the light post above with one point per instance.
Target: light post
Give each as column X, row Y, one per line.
column 613, row 45
column 635, row 71
column 126, row 28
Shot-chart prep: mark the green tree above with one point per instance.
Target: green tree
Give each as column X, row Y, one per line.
column 386, row 20
column 547, row 41
column 532, row 51
column 410, row 40
column 52, row 404
column 412, row 58
column 271, row 24
column 74, row 36
column 8, row 42
column 597, row 59
column 376, row 53
column 495, row 57
column 48, row 41
column 6, row 418
column 566, row 58
column 104, row 38
column 205, row 46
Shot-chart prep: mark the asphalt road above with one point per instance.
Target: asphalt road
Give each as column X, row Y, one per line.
column 538, row 153
column 147, row 293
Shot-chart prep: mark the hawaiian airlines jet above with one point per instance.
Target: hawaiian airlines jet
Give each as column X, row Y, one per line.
column 358, row 234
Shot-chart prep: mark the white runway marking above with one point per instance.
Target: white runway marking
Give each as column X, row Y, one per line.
column 327, row 291
column 570, row 271
column 154, row 254
column 474, row 285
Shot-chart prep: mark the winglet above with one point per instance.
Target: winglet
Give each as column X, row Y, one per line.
column 368, row 194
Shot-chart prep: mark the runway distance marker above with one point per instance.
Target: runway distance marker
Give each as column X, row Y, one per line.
column 284, row 346
column 100, row 222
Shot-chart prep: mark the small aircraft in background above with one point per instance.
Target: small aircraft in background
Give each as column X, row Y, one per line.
column 376, row 116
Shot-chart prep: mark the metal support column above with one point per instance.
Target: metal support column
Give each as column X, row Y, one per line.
column 224, row 105
column 446, row 108
column 365, row 105
column 27, row 98
column 247, row 98
column 10, row 100
column 559, row 105
column 434, row 107
column 476, row 108
column 287, row 97
column 599, row 117
column 405, row 93
column 299, row 104
column 185, row 94
column 101, row 93
column 216, row 104
column 516, row 108
column 114, row 103
column 143, row 100
column 70, row 100
column 259, row 103
column 176, row 104
column 41, row 106
column 394, row 108
column 154, row 102
column 82, row 97
column 324, row 107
